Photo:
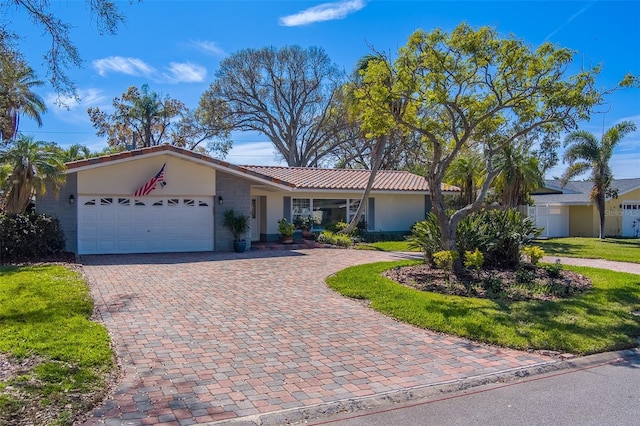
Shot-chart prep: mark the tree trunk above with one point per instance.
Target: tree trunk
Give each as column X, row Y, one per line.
column 377, row 155
column 601, row 206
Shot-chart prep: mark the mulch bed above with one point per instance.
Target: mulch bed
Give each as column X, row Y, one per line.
column 527, row 283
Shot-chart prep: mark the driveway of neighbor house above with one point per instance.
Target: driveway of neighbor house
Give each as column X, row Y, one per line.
column 206, row 337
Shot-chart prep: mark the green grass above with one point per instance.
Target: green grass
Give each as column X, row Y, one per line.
column 386, row 246
column 597, row 321
column 44, row 315
column 617, row 249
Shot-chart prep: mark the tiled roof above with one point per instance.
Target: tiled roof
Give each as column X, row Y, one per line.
column 293, row 177
column 346, row 179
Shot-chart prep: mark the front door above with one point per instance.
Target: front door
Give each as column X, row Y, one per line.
column 255, row 220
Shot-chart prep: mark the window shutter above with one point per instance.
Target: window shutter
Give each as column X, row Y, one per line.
column 371, row 215
column 286, row 208
column 427, row 206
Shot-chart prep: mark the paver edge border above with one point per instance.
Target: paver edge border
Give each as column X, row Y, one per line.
column 393, row 399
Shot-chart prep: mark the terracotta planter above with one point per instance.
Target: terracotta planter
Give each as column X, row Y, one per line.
column 286, row 239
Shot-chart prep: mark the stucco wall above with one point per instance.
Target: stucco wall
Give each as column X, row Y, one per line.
column 183, row 177
column 236, row 195
column 581, row 221
column 58, row 205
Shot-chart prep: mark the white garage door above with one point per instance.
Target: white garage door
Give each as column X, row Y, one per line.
column 631, row 219
column 116, row 224
column 554, row 220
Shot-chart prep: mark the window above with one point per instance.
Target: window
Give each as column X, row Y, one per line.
column 320, row 213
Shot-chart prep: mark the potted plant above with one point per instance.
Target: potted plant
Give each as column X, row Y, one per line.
column 303, row 223
column 238, row 224
column 286, row 230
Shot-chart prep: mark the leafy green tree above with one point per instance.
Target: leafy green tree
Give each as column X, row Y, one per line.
column 143, row 118
column 585, row 153
column 288, row 95
column 17, row 81
column 35, row 166
column 472, row 90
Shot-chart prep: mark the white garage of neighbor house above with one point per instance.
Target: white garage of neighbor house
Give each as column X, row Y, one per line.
column 168, row 199
column 567, row 211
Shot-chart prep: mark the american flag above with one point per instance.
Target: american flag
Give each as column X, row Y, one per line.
column 151, row 185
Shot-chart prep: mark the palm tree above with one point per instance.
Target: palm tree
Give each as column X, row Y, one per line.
column 35, row 165
column 585, row 153
column 519, row 174
column 16, row 86
column 466, row 171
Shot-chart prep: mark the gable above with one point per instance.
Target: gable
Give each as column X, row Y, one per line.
column 124, row 178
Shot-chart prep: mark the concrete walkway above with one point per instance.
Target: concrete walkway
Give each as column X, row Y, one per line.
column 632, row 268
column 260, row 338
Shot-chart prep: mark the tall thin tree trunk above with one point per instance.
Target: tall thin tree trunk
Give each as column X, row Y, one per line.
column 377, row 155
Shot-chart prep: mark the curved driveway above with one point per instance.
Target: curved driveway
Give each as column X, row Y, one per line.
column 206, row 337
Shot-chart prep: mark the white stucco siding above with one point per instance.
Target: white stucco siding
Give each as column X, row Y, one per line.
column 398, row 212
column 183, row 177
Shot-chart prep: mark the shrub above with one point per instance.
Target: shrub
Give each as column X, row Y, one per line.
column 508, row 232
column 525, row 276
column 473, row 260
column 341, row 240
column 444, row 259
column 472, row 233
column 554, row 269
column 29, row 236
column 534, row 253
column 425, row 236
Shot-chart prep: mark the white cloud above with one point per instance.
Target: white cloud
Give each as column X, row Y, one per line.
column 119, row 64
column 74, row 111
column 209, row 47
column 323, row 12
column 185, row 73
column 253, row 153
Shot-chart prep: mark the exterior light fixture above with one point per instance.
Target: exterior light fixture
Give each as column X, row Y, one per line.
column 72, row 199
column 220, row 200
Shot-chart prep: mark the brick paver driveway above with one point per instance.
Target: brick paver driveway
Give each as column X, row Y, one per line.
column 206, row 337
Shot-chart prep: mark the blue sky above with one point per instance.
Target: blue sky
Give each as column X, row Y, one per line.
column 176, row 47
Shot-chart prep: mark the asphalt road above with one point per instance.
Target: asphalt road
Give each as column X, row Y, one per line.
column 606, row 394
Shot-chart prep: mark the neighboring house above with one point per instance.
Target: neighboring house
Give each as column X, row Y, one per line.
column 99, row 212
column 568, row 212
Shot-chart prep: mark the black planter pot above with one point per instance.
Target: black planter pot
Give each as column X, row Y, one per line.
column 240, row 246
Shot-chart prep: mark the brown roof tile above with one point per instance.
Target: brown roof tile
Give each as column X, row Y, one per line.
column 346, row 179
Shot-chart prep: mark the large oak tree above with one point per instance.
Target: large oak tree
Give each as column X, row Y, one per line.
column 291, row 95
column 472, row 90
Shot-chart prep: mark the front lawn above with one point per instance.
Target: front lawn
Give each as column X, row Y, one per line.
column 600, row 320
column 617, row 249
column 53, row 358
column 401, row 246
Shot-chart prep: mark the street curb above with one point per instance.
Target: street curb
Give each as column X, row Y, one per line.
column 392, row 399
